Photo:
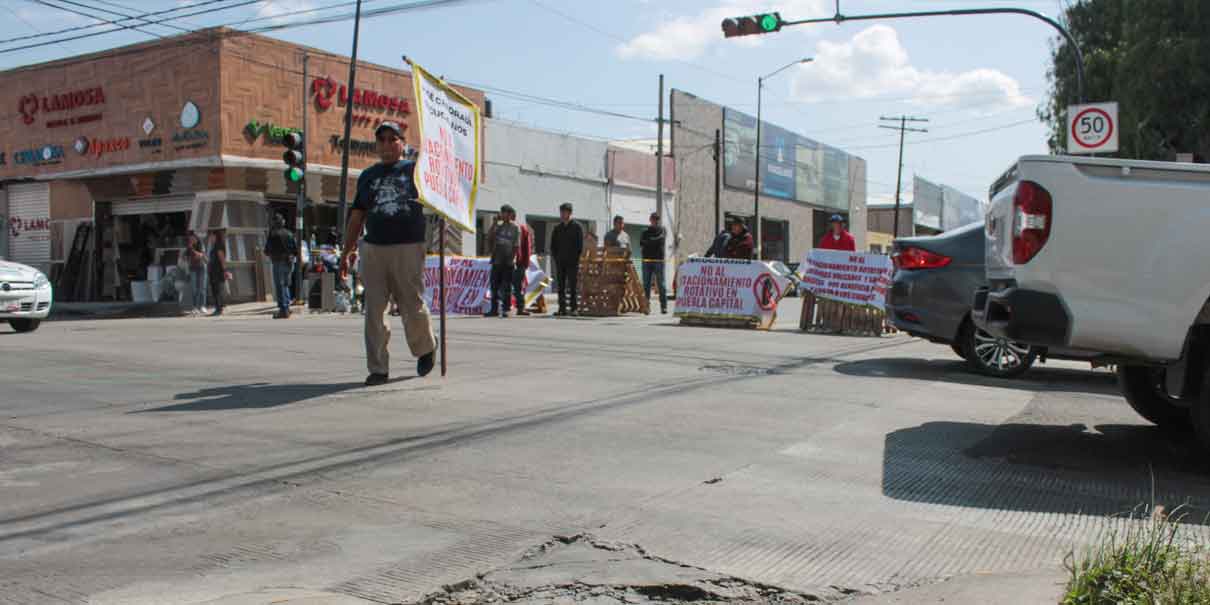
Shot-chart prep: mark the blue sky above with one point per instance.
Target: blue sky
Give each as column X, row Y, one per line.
column 977, row 79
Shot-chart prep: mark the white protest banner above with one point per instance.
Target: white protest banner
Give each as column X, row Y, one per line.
column 858, row 278
column 723, row 288
column 447, row 171
column 468, row 284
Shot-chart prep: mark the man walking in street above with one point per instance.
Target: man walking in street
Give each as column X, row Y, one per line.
column 392, row 255
column 525, row 247
column 617, row 237
column 281, row 248
column 566, row 245
column 503, row 239
column 837, row 238
column 652, row 247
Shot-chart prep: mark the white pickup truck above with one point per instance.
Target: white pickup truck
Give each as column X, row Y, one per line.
column 1108, row 256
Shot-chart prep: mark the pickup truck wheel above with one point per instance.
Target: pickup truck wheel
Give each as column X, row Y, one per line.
column 958, row 350
column 24, row 325
column 1143, row 387
column 996, row 357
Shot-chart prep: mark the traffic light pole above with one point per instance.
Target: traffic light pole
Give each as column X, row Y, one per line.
column 344, row 155
column 302, row 191
column 839, row 18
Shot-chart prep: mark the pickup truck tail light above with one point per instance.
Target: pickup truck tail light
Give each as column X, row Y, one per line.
column 1032, row 216
column 909, row 258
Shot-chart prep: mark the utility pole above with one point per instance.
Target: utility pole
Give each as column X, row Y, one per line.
column 344, row 155
column 659, row 156
column 902, row 128
column 302, row 187
column 718, row 161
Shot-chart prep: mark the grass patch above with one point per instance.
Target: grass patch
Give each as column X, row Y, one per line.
column 1151, row 560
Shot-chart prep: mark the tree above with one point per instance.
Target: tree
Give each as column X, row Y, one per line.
column 1151, row 57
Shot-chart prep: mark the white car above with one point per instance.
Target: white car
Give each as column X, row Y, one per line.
column 25, row 296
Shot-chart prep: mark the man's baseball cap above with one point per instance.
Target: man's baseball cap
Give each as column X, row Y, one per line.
column 565, row 206
column 836, row 218
column 392, row 126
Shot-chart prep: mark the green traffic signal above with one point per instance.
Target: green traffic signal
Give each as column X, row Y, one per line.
column 769, row 22
column 294, row 174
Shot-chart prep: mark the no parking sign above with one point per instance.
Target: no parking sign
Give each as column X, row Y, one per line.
column 1092, row 128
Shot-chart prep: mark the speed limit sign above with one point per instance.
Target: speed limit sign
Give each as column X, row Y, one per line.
column 1092, row 128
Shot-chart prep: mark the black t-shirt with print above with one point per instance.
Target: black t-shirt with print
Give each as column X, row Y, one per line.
column 386, row 193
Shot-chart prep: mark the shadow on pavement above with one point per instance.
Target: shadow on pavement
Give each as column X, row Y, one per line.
column 253, row 396
column 1050, row 468
column 1038, row 378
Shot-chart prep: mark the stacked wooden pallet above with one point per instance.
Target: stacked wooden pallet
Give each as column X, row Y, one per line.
column 820, row 315
column 609, row 285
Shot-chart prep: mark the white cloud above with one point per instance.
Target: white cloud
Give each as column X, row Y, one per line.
column 687, row 37
column 874, row 64
column 276, row 10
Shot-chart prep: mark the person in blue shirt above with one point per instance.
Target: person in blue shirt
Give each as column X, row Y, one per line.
column 392, row 255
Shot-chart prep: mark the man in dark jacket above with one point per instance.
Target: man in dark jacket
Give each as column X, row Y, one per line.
column 652, row 246
column 739, row 245
column 502, row 242
column 281, row 248
column 718, row 248
column 566, row 245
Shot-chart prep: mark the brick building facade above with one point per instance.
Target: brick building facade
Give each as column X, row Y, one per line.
column 184, row 134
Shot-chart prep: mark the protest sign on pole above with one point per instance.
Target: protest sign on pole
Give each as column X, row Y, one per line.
column 856, row 278
column 722, row 288
column 447, row 172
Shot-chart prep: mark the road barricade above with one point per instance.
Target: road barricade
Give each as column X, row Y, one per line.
column 844, row 292
column 609, row 285
column 724, row 292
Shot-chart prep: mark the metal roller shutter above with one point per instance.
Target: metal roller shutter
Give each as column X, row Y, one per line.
column 29, row 212
column 154, row 206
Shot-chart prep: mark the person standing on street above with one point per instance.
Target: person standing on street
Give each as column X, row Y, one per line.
column 838, row 238
column 281, row 248
column 718, row 248
column 525, row 248
column 652, row 246
column 503, row 239
column 617, row 237
column 739, row 244
column 392, row 255
column 219, row 275
column 196, row 256
column 566, row 246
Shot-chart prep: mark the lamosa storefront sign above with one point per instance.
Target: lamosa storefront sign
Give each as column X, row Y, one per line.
column 32, row 228
column 328, row 91
column 31, row 105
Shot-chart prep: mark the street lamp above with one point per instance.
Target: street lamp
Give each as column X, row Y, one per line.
column 760, row 82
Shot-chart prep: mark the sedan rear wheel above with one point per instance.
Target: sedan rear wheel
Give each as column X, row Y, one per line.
column 997, row 357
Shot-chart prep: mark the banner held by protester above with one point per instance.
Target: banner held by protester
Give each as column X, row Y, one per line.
column 447, row 174
column 855, row 278
column 719, row 288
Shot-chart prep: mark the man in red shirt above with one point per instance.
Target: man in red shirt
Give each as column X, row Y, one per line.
column 838, row 238
column 525, row 248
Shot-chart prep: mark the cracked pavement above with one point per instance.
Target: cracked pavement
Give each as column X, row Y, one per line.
column 239, row 461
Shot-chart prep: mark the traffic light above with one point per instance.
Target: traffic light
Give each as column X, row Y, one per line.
column 765, row 23
column 295, row 156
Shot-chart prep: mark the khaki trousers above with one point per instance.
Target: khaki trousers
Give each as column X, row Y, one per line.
column 396, row 270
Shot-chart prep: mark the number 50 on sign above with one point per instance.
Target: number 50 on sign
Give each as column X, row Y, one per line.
column 1092, row 128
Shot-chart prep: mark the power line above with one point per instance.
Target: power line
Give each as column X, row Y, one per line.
column 96, row 25
column 91, row 16
column 105, row 10
column 125, row 27
column 28, row 24
column 955, row 136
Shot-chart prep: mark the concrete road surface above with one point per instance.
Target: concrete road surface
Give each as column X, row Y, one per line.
column 239, row 460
